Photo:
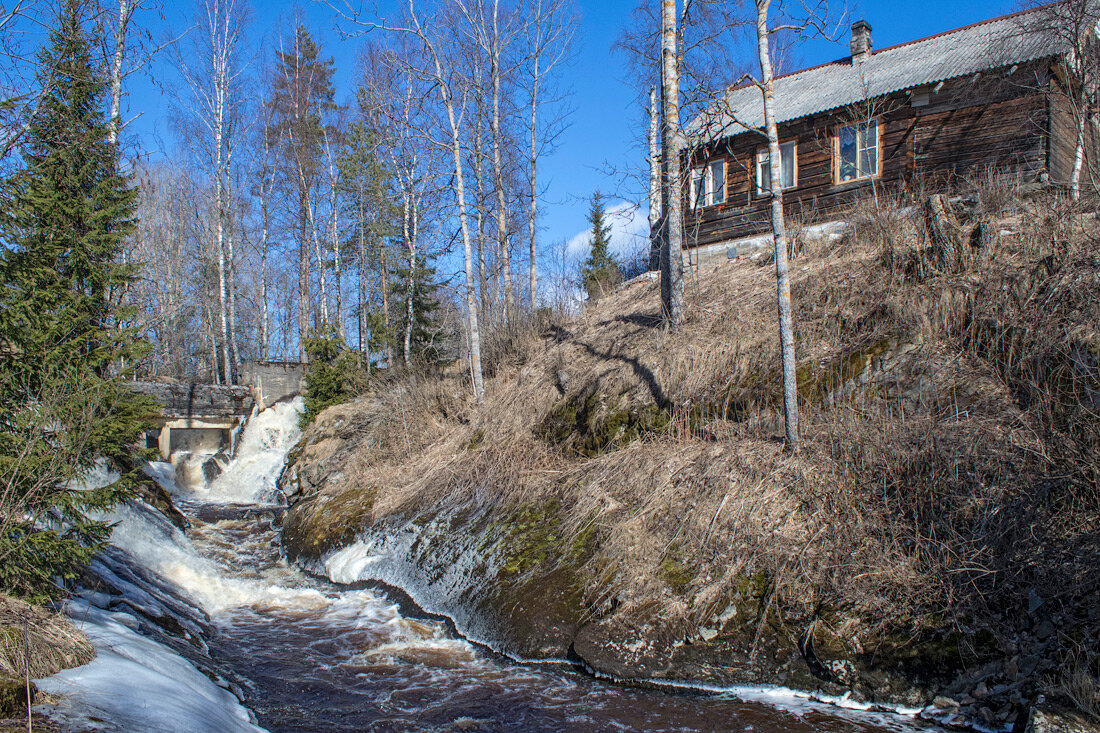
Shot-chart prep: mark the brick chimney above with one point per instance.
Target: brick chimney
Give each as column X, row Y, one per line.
column 861, row 41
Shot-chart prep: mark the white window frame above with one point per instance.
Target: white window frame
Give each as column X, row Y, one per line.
column 862, row 146
column 763, row 159
column 710, row 194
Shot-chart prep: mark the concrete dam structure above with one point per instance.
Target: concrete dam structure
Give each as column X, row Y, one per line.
column 207, row 418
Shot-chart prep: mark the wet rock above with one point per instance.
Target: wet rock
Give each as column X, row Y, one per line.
column 1045, row 720
column 943, row 703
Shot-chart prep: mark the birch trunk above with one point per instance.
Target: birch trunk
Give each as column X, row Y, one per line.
column 231, row 287
column 533, row 204
column 672, row 261
column 654, row 183
column 125, row 12
column 362, row 282
column 385, row 299
column 779, row 230
column 219, row 205
column 498, row 168
column 446, row 95
column 303, row 272
column 265, row 325
column 385, row 285
column 479, row 184
column 1080, row 114
column 265, row 223
column 410, row 285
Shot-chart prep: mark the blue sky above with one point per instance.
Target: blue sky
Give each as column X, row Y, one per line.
column 602, row 134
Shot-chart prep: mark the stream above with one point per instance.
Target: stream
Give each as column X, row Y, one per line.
column 211, row 630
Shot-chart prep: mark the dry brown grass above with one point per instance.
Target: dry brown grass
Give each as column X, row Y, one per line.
column 897, row 511
column 52, row 643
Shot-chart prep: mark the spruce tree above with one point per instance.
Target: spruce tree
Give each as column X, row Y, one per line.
column 600, row 271
column 63, row 402
column 427, row 340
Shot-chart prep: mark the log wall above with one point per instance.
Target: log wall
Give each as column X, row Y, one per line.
column 998, row 121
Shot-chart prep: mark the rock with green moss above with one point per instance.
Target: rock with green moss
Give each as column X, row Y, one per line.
column 590, row 424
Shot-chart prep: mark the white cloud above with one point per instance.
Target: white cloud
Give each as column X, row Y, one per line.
column 629, row 232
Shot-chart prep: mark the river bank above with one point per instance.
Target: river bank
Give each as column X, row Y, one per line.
column 209, row 629
column 621, row 498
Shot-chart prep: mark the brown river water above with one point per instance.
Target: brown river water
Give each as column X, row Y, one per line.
column 360, row 661
column 179, row 618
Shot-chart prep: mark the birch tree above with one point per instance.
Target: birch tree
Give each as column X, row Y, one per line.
column 439, row 44
column 672, row 261
column 302, row 93
column 214, row 72
column 549, row 38
column 779, row 227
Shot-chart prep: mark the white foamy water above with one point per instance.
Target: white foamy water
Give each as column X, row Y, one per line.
column 267, row 439
column 187, row 625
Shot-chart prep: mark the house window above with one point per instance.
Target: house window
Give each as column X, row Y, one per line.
column 857, row 151
column 788, row 168
column 707, row 185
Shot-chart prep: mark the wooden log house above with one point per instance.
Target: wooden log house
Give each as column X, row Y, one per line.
column 928, row 115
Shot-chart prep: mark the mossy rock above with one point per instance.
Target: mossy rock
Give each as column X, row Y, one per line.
column 537, row 593
column 588, row 425
column 13, row 697
column 676, row 571
column 925, row 656
column 327, row 522
column 815, row 383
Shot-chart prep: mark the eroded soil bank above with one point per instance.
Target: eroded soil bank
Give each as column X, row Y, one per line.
column 622, row 498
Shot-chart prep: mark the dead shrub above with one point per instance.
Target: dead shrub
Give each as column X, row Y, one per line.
column 1080, row 683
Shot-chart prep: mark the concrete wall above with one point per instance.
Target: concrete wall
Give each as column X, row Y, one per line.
column 272, row 381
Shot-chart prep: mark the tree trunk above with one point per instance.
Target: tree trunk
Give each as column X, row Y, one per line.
column 384, row 273
column 479, row 192
column 303, row 272
column 410, row 285
column 231, row 285
column 125, row 11
column 779, row 230
column 442, row 82
column 362, row 282
column 672, row 261
column 322, row 281
column 532, row 210
column 1079, row 150
column 654, row 183
column 219, row 205
column 265, row 326
column 498, row 169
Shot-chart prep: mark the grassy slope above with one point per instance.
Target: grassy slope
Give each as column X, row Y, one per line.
column 942, row 514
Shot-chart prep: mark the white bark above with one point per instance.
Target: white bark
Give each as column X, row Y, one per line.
column 786, row 330
column 503, row 245
column 532, row 164
column 125, row 12
column 672, row 262
column 443, row 82
column 654, row 182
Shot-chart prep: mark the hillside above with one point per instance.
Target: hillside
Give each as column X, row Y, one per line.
column 622, row 497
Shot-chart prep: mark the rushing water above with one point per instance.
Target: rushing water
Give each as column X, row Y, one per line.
column 179, row 619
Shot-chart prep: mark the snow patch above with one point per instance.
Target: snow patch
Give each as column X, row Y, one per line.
column 138, row 684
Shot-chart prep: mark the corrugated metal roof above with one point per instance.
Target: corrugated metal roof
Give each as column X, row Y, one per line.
column 990, row 44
